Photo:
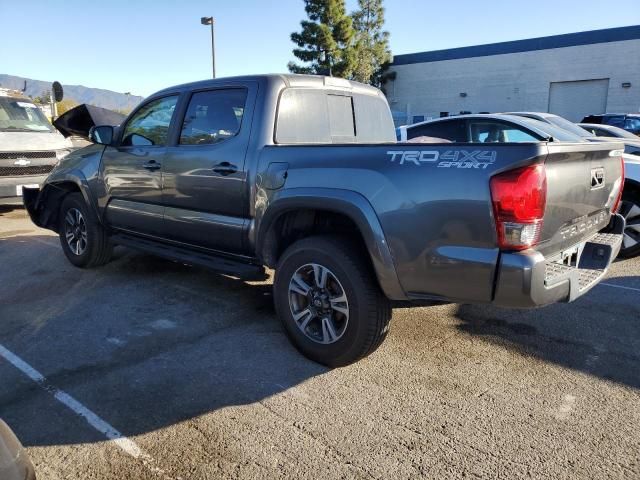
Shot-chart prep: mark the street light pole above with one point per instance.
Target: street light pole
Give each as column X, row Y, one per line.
column 209, row 21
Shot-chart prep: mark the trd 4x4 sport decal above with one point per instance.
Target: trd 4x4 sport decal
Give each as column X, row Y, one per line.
column 448, row 159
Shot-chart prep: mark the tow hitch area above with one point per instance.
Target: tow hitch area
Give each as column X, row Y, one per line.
column 584, row 265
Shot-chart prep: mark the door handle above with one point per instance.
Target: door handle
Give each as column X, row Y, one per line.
column 225, row 168
column 152, row 165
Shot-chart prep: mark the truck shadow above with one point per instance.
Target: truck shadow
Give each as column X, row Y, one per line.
column 599, row 334
column 142, row 342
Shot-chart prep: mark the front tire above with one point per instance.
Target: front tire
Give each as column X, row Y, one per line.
column 84, row 241
column 329, row 302
column 630, row 210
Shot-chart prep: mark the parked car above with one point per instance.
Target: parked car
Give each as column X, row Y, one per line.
column 484, row 128
column 557, row 121
column 601, row 130
column 303, row 174
column 627, row 121
column 630, row 207
column 29, row 146
column 14, row 461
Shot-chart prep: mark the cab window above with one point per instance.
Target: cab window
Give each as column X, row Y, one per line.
column 213, row 116
column 149, row 126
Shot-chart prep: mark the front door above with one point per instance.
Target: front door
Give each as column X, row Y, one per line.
column 133, row 169
column 204, row 177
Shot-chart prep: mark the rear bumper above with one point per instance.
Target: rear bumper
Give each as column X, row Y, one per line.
column 528, row 279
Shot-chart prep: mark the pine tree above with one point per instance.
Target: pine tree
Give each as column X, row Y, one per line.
column 371, row 43
column 325, row 44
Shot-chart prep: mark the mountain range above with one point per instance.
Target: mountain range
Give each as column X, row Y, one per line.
column 78, row 93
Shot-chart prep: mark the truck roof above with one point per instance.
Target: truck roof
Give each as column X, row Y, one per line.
column 288, row 79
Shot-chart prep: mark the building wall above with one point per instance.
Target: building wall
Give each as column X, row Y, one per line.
column 515, row 81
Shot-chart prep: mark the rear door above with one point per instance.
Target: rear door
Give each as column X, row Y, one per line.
column 132, row 170
column 204, row 176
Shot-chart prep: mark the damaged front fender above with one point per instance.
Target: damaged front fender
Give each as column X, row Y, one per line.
column 70, row 175
column 43, row 205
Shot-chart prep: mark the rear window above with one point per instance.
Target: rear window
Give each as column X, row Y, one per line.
column 308, row 116
column 559, row 134
column 451, row 130
column 341, row 121
column 567, row 125
column 489, row 131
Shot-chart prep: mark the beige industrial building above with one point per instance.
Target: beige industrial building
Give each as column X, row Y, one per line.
column 572, row 75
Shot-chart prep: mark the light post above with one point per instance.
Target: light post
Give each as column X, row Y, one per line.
column 209, row 21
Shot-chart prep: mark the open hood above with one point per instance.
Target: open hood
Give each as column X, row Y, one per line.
column 79, row 120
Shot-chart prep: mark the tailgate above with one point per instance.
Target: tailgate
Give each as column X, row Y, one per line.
column 582, row 184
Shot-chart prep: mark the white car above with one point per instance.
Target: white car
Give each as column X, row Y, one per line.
column 446, row 129
column 29, row 146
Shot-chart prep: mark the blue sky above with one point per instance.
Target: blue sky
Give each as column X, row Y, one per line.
column 144, row 45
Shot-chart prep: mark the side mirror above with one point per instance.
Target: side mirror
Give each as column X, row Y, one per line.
column 102, row 134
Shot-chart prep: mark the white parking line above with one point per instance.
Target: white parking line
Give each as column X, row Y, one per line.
column 113, row 435
column 620, row 286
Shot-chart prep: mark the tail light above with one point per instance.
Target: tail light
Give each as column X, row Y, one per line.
column 519, row 198
column 620, row 185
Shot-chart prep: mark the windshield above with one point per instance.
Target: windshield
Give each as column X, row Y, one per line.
column 568, row 126
column 21, row 115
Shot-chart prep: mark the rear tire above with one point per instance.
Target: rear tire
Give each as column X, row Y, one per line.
column 84, row 241
column 343, row 316
column 630, row 210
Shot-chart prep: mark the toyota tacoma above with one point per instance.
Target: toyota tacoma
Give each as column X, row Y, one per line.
column 303, row 174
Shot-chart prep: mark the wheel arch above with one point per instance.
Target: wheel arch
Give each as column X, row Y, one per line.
column 45, row 209
column 348, row 209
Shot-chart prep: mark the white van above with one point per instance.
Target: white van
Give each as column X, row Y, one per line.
column 29, row 146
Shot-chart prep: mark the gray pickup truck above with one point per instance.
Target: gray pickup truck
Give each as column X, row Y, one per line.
column 303, row 174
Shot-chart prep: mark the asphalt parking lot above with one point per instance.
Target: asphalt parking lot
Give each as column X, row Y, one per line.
column 193, row 375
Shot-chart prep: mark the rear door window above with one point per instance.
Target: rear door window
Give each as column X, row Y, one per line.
column 213, row 116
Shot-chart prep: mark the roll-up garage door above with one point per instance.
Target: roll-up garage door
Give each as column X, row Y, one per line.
column 575, row 100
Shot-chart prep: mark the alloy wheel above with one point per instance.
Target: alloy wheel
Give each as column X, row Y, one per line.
column 75, row 231
column 318, row 303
